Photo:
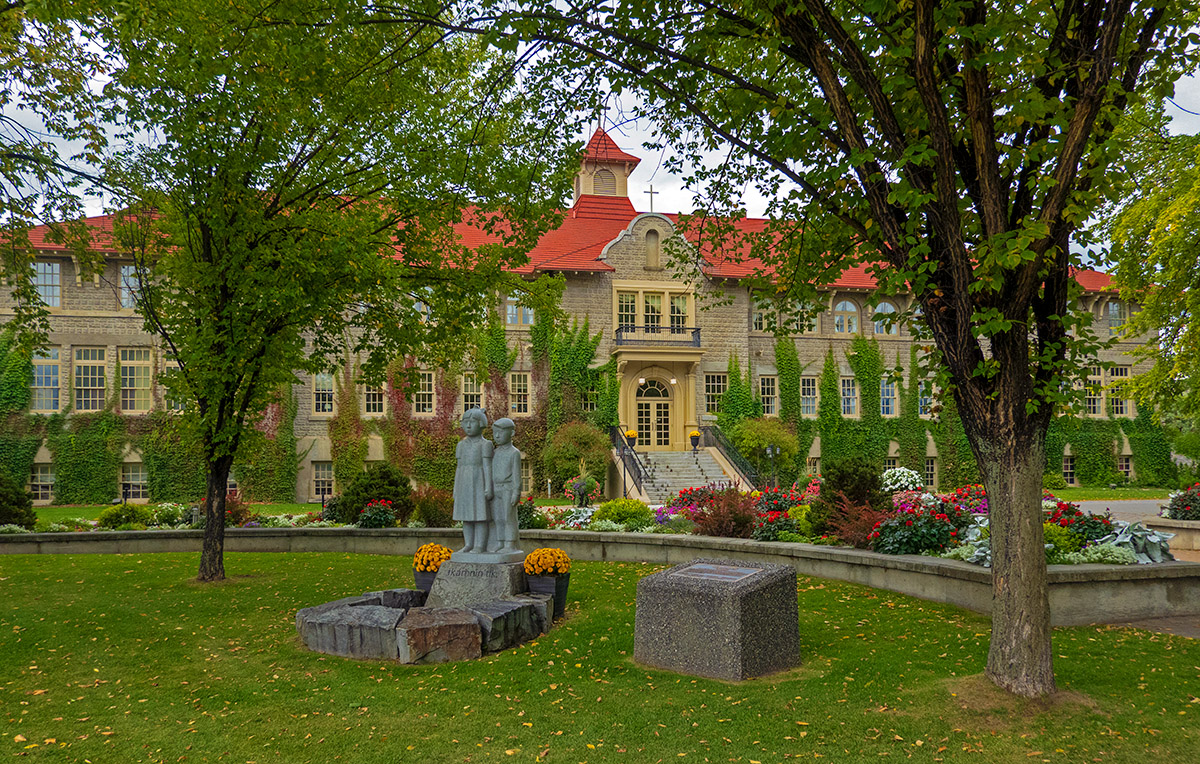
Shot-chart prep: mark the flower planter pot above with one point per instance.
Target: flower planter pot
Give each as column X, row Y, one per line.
column 555, row 586
column 695, row 442
column 424, row 579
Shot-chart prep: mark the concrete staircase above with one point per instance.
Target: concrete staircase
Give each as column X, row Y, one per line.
column 669, row 472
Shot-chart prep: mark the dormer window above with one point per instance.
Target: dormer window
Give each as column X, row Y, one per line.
column 605, row 183
column 653, row 250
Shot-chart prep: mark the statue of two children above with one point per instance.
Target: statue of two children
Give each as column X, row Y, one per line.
column 487, row 486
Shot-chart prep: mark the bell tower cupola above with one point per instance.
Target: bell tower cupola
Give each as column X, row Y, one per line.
column 605, row 168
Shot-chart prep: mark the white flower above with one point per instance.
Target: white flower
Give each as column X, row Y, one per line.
column 902, row 479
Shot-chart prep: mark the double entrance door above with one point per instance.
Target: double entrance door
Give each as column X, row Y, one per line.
column 654, row 415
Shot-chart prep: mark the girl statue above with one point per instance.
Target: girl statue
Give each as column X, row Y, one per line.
column 473, row 482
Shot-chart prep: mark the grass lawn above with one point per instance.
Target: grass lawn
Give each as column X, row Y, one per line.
column 1110, row 494
column 122, row 658
column 554, row 501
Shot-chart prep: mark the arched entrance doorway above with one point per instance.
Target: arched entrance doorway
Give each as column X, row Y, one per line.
column 654, row 415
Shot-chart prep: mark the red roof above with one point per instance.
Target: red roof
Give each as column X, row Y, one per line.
column 602, row 149
column 102, row 234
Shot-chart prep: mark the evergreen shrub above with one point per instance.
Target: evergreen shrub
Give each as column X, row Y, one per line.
column 16, row 505
column 573, row 445
column 380, row 481
column 751, row 438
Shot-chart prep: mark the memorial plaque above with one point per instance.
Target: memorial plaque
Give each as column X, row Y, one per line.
column 724, row 619
column 715, row 572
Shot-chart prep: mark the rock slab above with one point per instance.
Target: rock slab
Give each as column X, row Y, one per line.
column 438, row 635
column 543, row 609
column 461, row 584
column 399, row 598
column 354, row 631
column 506, row 623
column 722, row 619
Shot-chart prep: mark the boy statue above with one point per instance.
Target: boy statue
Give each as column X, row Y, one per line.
column 506, row 482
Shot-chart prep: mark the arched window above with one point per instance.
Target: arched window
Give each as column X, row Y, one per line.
column 652, row 388
column 845, row 317
column 605, row 183
column 652, row 249
column 885, row 326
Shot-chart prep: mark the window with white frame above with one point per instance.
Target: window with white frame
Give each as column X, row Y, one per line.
column 517, row 314
column 931, row 472
column 1116, row 313
column 758, row 321
column 849, row 396
column 133, row 481
column 885, row 321
column 322, row 393
column 373, row 400
column 135, row 379
column 845, row 317
column 526, row 476
column 768, row 394
column 472, row 392
column 41, row 482
column 1125, row 466
column 89, row 379
column 653, row 310
column 924, row 399
column 322, row 473
column 679, row 313
column 47, row 280
column 714, row 387
column 627, row 311
column 808, row 396
column 423, row 395
column 518, row 393
column 1117, row 404
column 1068, row 469
column 589, row 396
column 128, row 286
column 887, row 397
column 1093, row 397
column 44, row 396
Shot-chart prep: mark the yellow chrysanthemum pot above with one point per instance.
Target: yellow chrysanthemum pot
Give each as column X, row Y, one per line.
column 426, row 562
column 548, row 571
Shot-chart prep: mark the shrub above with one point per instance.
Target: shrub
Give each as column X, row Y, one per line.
column 130, row 527
column 768, row 526
column 1184, row 505
column 752, row 437
column 169, row 514
column 972, row 498
column 792, row 538
column 332, row 511
column 856, row 478
column 628, row 513
column 529, row 516
column 901, row 479
column 778, row 499
column 380, row 482
column 575, row 444
column 433, row 507
column 16, row 505
column 1086, row 527
column 1102, row 554
column 119, row 515
column 1053, row 481
column 854, row 523
column 680, row 523
column 729, row 513
column 377, row 514
column 9, row 528
column 584, row 490
column 914, row 531
column 1060, row 542
column 605, row 526
column 690, row 498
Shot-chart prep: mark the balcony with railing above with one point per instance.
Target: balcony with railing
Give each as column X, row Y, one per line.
column 654, row 335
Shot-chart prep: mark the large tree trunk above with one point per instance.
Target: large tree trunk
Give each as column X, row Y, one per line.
column 212, row 555
column 1021, row 658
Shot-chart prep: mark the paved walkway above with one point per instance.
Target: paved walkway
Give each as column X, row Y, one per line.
column 1129, row 510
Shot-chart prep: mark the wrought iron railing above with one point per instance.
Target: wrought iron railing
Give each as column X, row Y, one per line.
column 712, row 437
column 631, row 463
column 679, row 336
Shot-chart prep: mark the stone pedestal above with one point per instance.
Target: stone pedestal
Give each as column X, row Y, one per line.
column 490, row 557
column 438, row 635
column 723, row 619
column 461, row 584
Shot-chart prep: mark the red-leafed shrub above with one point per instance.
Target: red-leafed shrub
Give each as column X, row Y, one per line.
column 729, row 513
column 853, row 523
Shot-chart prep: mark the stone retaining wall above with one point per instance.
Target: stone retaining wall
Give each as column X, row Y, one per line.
column 1079, row 594
column 1187, row 532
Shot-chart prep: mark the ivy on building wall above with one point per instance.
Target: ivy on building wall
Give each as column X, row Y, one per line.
column 20, row 440
column 870, row 436
column 830, row 423
column 1151, row 450
column 955, row 459
column 16, row 375
column 347, row 431
column 909, row 429
column 787, row 369
column 174, row 460
column 268, row 465
column 87, row 450
column 738, row 402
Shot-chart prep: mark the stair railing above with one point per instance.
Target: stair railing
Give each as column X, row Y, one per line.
column 631, row 463
column 712, row 437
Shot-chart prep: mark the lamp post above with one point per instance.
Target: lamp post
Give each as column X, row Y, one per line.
column 771, row 452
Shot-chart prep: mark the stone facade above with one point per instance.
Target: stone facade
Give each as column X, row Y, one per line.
column 672, row 362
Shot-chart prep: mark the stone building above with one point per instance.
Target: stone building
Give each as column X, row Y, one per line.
column 671, row 356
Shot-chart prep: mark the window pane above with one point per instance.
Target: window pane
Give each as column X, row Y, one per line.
column 808, row 396
column 133, row 481
column 47, row 279
column 887, row 397
column 45, row 381
column 652, row 306
column 472, row 392
column 373, row 400
column 41, row 482
column 323, row 394
column 322, row 479
column 626, row 310
column 679, row 313
column 714, row 388
column 423, row 398
column 849, row 397
column 89, row 379
column 518, row 393
column 129, row 284
column 766, row 391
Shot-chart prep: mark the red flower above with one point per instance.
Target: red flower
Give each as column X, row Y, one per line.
column 908, row 522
